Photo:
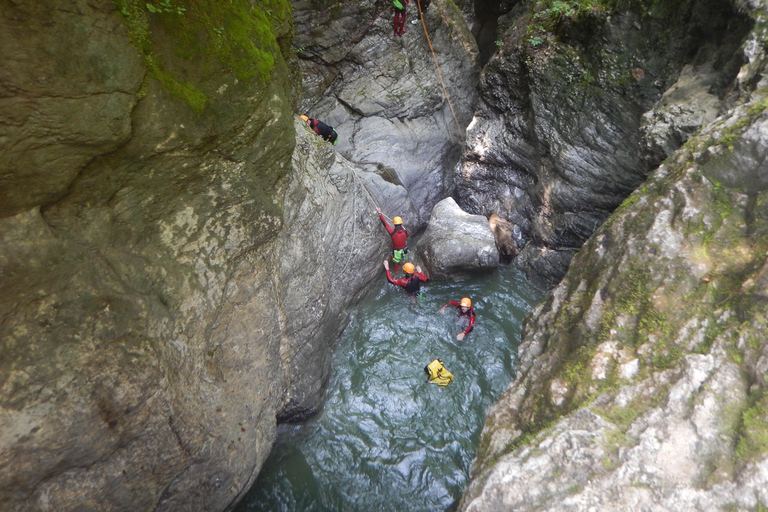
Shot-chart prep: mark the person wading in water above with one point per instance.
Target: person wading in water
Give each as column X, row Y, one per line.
column 465, row 310
column 412, row 280
column 398, row 235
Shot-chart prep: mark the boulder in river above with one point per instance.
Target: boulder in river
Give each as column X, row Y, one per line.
column 457, row 241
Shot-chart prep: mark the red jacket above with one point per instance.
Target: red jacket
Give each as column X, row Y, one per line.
column 412, row 285
column 398, row 234
column 469, row 314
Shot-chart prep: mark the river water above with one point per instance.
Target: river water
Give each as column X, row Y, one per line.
column 386, row 440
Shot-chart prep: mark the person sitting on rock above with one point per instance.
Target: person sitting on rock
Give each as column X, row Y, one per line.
column 421, row 6
column 412, row 280
column 465, row 310
column 399, row 16
column 398, row 234
column 322, row 129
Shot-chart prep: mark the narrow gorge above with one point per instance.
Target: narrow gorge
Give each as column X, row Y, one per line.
column 179, row 252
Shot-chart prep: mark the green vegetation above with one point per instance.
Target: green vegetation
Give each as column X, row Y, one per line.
column 753, row 432
column 174, row 36
column 550, row 13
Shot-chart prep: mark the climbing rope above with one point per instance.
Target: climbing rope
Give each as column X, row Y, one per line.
column 370, row 197
column 354, row 210
column 424, row 26
column 354, row 223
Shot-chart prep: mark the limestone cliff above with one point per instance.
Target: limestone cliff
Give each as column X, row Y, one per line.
column 579, row 104
column 385, row 94
column 642, row 378
column 178, row 250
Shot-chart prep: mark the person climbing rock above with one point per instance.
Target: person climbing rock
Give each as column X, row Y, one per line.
column 399, row 16
column 421, row 6
column 465, row 310
column 412, row 280
column 398, row 234
column 325, row 131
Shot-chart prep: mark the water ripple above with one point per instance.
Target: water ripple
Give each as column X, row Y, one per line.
column 385, row 439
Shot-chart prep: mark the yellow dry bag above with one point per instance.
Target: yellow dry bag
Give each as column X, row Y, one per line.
column 438, row 374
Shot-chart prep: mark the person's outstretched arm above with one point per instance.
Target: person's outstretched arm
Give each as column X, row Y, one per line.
column 396, row 282
column 389, row 228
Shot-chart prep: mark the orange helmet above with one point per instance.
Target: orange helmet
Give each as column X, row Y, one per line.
column 466, row 302
column 304, row 118
column 408, row 268
column 397, row 220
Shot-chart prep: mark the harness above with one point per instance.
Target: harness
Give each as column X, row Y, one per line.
column 398, row 255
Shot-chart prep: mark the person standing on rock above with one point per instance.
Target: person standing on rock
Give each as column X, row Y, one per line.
column 412, row 280
column 398, row 234
column 399, row 22
column 325, row 131
column 465, row 310
column 421, row 5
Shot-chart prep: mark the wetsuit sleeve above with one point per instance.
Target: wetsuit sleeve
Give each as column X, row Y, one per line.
column 450, row 303
column 421, row 276
column 471, row 322
column 389, row 228
column 397, row 282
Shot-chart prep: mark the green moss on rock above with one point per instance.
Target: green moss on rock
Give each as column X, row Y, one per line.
column 211, row 37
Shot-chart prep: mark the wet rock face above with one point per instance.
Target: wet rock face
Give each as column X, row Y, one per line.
column 383, row 93
column 456, row 242
column 173, row 278
column 131, row 378
column 566, row 128
column 68, row 108
column 640, row 381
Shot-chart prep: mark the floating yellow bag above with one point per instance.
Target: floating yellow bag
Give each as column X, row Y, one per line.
column 438, row 374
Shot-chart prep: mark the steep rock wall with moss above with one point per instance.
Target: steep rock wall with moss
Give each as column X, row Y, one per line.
column 145, row 154
column 581, row 101
column 178, row 250
column 642, row 380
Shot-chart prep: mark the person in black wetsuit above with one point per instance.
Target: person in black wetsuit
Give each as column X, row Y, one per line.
column 412, row 280
column 421, row 8
column 325, row 131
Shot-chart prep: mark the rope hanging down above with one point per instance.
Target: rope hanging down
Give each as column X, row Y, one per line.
column 424, row 26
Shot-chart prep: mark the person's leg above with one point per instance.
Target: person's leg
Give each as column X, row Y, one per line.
column 402, row 22
column 396, row 21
